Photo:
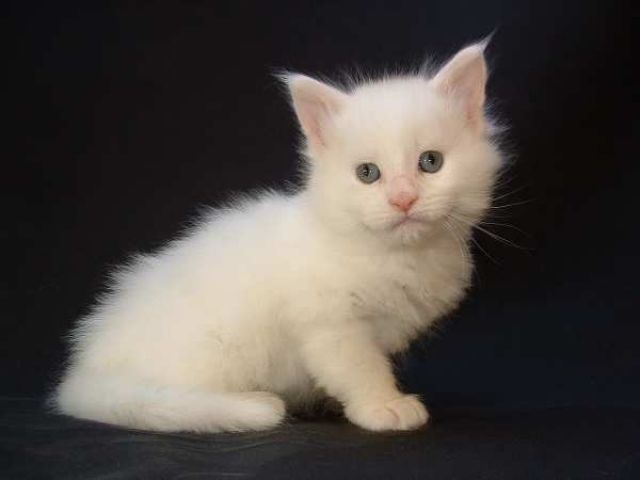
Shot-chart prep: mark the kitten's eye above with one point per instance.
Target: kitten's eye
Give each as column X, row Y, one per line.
column 368, row 172
column 431, row 161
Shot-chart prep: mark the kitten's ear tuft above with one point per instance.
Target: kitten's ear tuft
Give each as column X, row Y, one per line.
column 464, row 77
column 314, row 103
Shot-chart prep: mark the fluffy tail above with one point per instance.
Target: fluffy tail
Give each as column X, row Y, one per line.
column 166, row 409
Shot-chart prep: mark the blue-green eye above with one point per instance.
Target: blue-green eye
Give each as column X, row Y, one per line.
column 368, row 172
column 431, row 161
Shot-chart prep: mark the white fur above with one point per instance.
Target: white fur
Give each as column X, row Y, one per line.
column 289, row 298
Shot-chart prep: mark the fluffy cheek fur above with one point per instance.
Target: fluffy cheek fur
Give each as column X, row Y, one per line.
column 478, row 164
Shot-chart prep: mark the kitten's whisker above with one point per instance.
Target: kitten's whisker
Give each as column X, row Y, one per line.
column 491, row 234
column 511, row 204
column 499, row 238
column 507, row 194
column 462, row 246
column 505, row 225
column 477, row 244
column 497, row 215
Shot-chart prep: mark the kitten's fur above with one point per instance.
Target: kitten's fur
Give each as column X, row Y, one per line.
column 288, row 299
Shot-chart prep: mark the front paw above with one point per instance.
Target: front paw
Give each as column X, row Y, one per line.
column 403, row 413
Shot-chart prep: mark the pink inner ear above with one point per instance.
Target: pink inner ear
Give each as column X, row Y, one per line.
column 469, row 91
column 464, row 78
column 311, row 115
column 314, row 103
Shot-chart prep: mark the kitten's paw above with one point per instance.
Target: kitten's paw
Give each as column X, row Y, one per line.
column 261, row 410
column 404, row 413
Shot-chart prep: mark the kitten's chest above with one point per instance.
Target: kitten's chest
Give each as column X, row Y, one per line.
column 402, row 296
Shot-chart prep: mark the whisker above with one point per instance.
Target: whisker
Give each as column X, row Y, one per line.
column 507, row 194
column 491, row 234
column 515, row 204
column 462, row 246
column 505, row 225
column 503, row 182
column 477, row 244
column 499, row 238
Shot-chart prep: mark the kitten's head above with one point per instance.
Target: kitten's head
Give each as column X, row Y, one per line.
column 400, row 157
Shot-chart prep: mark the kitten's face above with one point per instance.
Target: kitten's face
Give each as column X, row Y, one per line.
column 366, row 149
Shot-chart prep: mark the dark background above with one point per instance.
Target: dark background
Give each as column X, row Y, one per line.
column 123, row 120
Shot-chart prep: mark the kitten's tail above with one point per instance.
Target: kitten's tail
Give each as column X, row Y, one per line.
column 166, row 409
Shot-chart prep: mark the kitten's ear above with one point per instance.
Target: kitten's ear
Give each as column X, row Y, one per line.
column 314, row 103
column 465, row 77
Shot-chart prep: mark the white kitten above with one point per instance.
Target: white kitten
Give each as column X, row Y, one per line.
column 291, row 299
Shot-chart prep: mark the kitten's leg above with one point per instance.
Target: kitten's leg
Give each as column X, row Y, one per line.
column 350, row 366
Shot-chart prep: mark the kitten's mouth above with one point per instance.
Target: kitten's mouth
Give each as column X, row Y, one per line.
column 406, row 221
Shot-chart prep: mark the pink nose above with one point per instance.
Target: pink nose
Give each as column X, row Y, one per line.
column 403, row 200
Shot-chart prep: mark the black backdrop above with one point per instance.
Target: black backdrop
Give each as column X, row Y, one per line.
column 122, row 120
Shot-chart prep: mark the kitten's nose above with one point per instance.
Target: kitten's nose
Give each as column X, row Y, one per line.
column 402, row 193
column 403, row 200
